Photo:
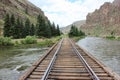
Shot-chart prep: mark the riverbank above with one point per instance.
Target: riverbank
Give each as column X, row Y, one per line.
column 30, row 41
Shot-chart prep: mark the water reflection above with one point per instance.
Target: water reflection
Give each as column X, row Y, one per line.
column 107, row 51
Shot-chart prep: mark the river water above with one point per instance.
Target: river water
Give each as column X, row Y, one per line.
column 14, row 62
column 107, row 51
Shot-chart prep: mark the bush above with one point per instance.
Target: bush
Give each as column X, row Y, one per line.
column 110, row 37
column 29, row 40
column 6, row 41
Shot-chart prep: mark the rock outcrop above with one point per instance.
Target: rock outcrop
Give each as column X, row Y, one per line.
column 105, row 20
column 20, row 8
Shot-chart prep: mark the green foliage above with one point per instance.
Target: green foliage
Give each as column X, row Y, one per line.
column 29, row 40
column 40, row 26
column 58, row 31
column 5, row 41
column 7, row 26
column 47, row 32
column 32, row 30
column 16, row 28
column 46, row 42
column 75, row 32
column 110, row 37
column 27, row 27
column 78, row 38
column 16, row 43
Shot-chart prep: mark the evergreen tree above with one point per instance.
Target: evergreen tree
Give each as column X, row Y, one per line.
column 7, row 26
column 40, row 26
column 17, row 27
column 12, row 20
column 47, row 31
column 22, row 31
column 75, row 32
column 58, row 30
column 53, row 29
column 27, row 27
column 32, row 30
column 13, row 23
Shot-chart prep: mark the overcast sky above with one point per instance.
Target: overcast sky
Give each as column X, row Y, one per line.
column 65, row 12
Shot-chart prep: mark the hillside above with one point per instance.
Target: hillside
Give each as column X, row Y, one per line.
column 20, row 8
column 77, row 24
column 104, row 21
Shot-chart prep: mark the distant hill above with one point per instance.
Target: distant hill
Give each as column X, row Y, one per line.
column 20, row 8
column 77, row 24
column 104, row 21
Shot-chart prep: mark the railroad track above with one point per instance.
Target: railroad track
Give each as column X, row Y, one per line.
column 66, row 61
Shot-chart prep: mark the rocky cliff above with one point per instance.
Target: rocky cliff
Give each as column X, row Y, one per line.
column 105, row 20
column 20, row 8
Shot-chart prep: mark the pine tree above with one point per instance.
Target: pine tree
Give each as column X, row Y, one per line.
column 53, row 29
column 22, row 35
column 13, row 22
column 27, row 27
column 58, row 30
column 7, row 26
column 47, row 31
column 75, row 32
column 40, row 26
column 32, row 30
column 17, row 27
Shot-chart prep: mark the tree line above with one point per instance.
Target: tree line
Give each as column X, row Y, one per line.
column 75, row 32
column 18, row 28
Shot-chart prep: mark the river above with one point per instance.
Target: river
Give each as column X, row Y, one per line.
column 107, row 51
column 14, row 62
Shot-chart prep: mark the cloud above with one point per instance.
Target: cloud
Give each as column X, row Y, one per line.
column 65, row 12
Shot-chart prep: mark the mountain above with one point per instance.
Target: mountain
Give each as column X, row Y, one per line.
column 77, row 24
column 20, row 8
column 104, row 21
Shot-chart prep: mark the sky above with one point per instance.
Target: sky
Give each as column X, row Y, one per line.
column 65, row 12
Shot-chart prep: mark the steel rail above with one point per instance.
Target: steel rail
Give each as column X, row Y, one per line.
column 45, row 76
column 87, row 66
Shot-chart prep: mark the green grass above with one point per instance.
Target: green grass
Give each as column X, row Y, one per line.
column 46, row 43
column 111, row 37
column 49, row 42
column 78, row 38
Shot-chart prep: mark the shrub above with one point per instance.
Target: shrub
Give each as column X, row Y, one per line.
column 5, row 41
column 29, row 40
column 110, row 37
